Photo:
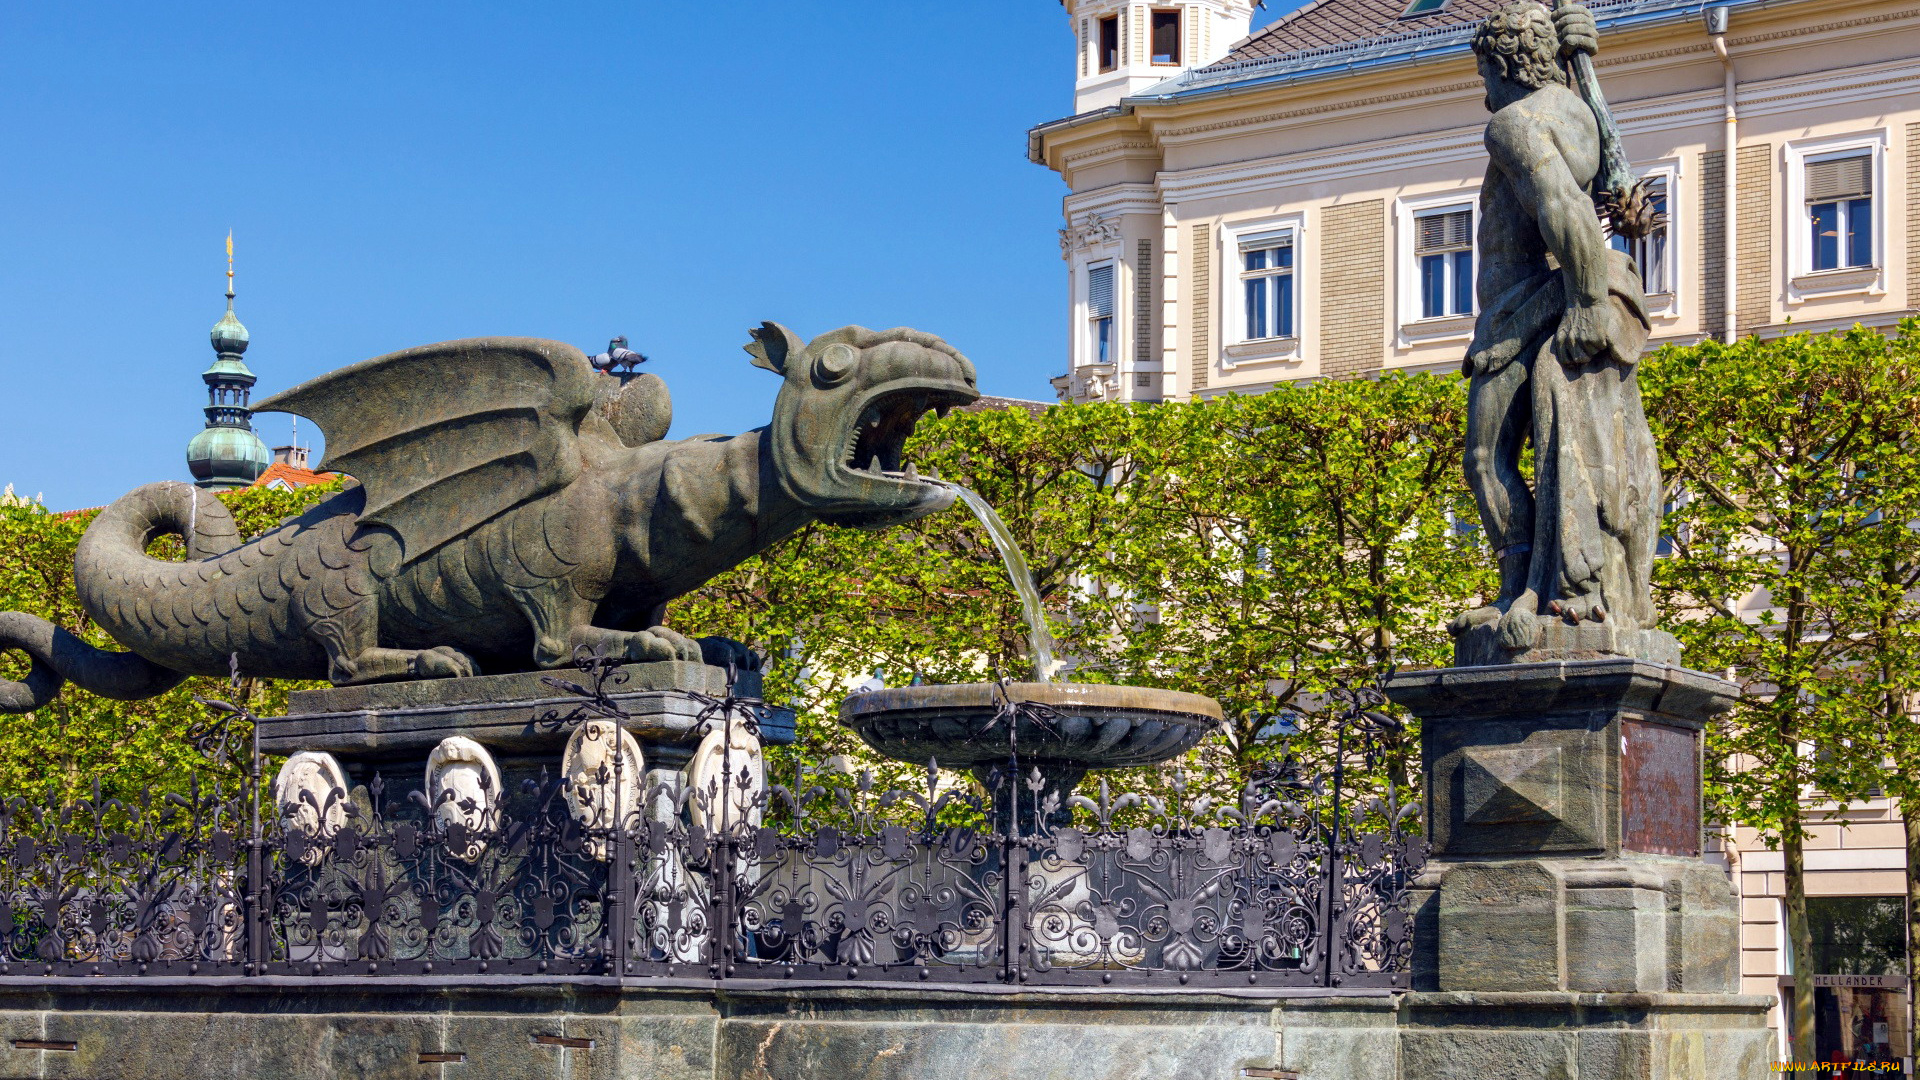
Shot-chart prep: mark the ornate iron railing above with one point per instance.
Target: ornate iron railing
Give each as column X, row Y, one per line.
column 620, row 875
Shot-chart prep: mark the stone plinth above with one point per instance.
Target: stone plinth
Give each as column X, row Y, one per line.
column 494, row 1028
column 402, row 721
column 1578, row 757
column 1567, row 925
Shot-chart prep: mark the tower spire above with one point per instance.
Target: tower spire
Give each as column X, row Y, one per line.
column 228, row 454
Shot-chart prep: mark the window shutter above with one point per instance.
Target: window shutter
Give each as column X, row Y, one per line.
column 1840, row 178
column 1442, row 232
column 1266, row 241
column 1100, row 291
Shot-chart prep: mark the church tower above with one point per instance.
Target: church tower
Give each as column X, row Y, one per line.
column 228, row 454
column 1125, row 46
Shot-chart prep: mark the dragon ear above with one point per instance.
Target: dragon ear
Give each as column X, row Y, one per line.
column 772, row 346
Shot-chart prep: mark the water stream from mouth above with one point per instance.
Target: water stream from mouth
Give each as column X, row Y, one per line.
column 1039, row 639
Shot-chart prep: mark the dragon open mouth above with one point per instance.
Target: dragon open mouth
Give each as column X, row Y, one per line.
column 876, row 443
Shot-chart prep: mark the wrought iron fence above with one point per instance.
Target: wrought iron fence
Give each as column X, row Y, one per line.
column 602, row 873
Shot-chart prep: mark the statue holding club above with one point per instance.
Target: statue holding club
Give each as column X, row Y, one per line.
column 1554, row 356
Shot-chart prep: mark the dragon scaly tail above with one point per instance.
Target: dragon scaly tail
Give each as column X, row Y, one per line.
column 119, row 535
column 59, row 657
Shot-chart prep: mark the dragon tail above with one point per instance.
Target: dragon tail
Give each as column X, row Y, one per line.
column 118, row 538
column 59, row 658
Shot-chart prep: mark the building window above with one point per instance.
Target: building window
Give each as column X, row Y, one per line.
column 1165, row 37
column 1840, row 211
column 1266, row 281
column 1423, row 7
column 1650, row 251
column 1109, row 43
column 1443, row 251
column 1100, row 313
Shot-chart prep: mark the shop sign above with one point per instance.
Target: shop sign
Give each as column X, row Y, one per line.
column 1876, row 982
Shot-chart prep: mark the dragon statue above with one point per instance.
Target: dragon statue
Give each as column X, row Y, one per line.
column 512, row 505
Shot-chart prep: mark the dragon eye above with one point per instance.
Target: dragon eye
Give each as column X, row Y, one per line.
column 834, row 363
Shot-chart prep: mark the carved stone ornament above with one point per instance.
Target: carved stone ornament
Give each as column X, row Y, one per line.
column 463, row 786
column 310, row 792
column 1090, row 230
column 502, row 463
column 724, row 757
column 602, row 783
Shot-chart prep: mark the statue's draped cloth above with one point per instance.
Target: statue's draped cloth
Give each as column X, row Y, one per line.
column 1596, row 474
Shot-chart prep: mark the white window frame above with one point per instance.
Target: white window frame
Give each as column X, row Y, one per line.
column 1086, row 347
column 1665, row 302
column 1416, row 328
column 1236, row 347
column 1803, row 281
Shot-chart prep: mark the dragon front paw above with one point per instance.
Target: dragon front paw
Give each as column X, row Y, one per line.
column 656, row 644
column 444, row 663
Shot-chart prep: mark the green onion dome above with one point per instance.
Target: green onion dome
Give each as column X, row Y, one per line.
column 227, row 457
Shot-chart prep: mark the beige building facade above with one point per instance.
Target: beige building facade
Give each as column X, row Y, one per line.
column 1300, row 203
column 1298, row 206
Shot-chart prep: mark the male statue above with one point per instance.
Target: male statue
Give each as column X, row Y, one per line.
column 1561, row 326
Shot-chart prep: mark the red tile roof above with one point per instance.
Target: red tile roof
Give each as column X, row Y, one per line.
column 292, row 477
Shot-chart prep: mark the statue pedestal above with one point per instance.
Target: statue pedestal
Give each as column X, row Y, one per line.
column 1479, row 646
column 1564, row 811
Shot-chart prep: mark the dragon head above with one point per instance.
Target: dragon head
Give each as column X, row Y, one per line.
column 842, row 419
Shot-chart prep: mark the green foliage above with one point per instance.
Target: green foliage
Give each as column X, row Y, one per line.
column 1795, row 560
column 1253, row 549
column 80, row 739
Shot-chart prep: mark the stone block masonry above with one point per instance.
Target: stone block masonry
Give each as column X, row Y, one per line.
column 1353, row 290
column 1200, row 259
column 1912, row 173
column 493, row 1029
column 1753, row 216
column 1713, row 242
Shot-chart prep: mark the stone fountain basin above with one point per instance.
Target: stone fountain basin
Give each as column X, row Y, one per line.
column 1099, row 726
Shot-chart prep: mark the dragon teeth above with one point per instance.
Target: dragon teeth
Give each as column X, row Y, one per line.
column 912, row 474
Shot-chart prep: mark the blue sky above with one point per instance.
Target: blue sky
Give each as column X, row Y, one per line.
column 400, row 173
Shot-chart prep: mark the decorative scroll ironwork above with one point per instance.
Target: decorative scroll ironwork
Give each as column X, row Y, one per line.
column 738, row 878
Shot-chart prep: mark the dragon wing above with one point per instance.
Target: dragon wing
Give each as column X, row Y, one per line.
column 447, row 437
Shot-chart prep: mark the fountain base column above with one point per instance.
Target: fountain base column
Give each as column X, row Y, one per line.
column 1038, row 801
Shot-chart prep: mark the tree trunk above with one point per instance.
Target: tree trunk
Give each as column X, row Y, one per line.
column 1910, row 816
column 1800, row 939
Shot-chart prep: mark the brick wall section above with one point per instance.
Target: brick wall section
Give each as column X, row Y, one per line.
column 1913, row 215
column 1713, row 241
column 1143, row 274
column 1753, row 218
column 1200, row 274
column 1353, row 289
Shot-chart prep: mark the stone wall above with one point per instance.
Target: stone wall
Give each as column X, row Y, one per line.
column 292, row 1029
